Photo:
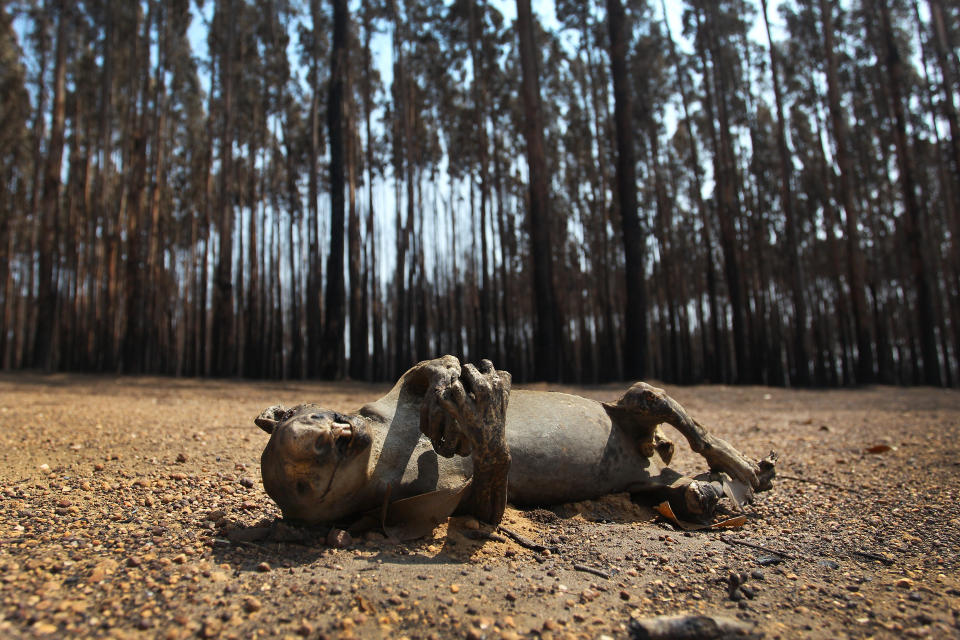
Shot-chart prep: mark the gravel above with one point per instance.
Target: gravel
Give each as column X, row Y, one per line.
column 133, row 507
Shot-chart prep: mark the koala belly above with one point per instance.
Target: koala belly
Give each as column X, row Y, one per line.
column 566, row 448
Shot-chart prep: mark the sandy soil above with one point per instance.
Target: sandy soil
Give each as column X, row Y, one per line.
column 130, row 508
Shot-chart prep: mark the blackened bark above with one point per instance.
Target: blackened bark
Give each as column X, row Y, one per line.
column 377, row 370
column 635, row 338
column 946, row 60
column 713, row 357
column 314, row 304
column 911, row 221
column 358, row 330
column 727, row 190
column 135, row 278
column 43, row 350
column 801, row 358
column 855, row 263
column 224, row 357
column 548, row 315
column 334, row 325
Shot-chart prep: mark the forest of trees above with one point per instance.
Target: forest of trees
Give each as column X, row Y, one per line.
column 581, row 192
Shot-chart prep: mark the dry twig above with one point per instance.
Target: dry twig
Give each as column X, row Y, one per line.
column 588, row 569
column 758, row 547
column 525, row 542
column 873, row 556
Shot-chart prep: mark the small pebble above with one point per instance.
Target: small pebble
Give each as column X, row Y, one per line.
column 211, row 628
column 339, row 539
column 305, row 629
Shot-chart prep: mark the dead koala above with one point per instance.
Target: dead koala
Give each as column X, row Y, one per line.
column 454, row 438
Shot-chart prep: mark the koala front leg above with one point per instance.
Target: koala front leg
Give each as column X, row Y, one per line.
column 440, row 379
column 464, row 412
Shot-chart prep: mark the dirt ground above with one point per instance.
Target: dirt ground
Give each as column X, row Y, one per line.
column 133, row 507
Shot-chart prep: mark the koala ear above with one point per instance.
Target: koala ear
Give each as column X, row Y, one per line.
column 269, row 417
column 266, row 424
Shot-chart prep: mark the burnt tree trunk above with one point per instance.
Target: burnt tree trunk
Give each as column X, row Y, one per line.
column 635, row 321
column 911, row 221
column 223, row 321
column 358, row 330
column 49, row 211
column 801, row 351
column 377, row 369
column 334, row 325
column 548, row 316
column 855, row 264
column 313, row 302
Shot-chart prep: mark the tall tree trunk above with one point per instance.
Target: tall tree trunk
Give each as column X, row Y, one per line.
column 155, row 307
column 377, row 371
column 801, row 351
column 400, row 344
column 224, row 359
column 842, row 301
column 950, row 193
column 947, row 61
column 314, row 303
column 253, row 349
column 539, row 223
column 49, row 211
column 506, row 256
column 358, row 331
column 673, row 364
column 713, row 360
column 135, row 281
column 911, row 222
column 855, row 264
column 727, row 189
column 334, row 324
column 635, row 321
column 479, row 96
column 609, row 336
